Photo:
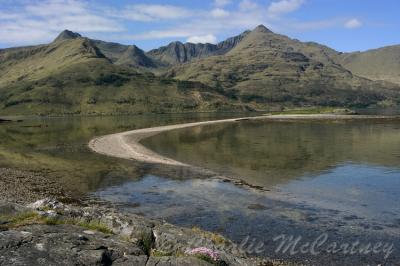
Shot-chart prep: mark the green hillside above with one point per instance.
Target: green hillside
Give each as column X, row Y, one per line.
column 72, row 76
column 269, row 69
column 256, row 70
column 377, row 64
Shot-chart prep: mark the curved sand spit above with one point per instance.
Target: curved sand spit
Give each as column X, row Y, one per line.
column 126, row 145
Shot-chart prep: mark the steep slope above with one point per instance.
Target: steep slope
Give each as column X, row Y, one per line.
column 32, row 63
column 135, row 57
column 113, row 51
column 129, row 55
column 72, row 75
column 377, row 64
column 177, row 52
column 119, row 54
column 270, row 69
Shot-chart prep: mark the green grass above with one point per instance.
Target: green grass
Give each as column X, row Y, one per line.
column 95, row 226
column 29, row 218
column 215, row 238
column 20, row 219
column 314, row 110
column 160, row 253
column 146, row 242
column 52, row 221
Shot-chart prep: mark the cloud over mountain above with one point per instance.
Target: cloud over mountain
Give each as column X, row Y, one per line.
column 152, row 22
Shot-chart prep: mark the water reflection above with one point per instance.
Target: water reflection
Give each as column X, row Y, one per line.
column 58, row 147
column 272, row 153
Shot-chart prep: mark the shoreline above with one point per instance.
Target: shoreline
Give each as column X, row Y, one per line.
column 126, row 145
column 50, row 226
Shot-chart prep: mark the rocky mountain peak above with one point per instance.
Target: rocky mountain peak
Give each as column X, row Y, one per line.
column 262, row 28
column 67, row 35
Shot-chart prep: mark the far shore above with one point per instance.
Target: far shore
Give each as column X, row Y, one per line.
column 126, row 145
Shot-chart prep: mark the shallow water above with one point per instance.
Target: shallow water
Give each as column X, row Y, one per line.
column 343, row 176
column 337, row 177
column 58, row 147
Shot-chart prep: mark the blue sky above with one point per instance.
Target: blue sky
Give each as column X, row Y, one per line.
column 345, row 25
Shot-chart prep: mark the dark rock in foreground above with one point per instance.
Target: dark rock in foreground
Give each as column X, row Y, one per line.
column 65, row 245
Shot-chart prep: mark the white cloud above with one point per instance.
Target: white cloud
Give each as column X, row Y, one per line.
column 247, row 5
column 146, row 12
column 207, row 24
column 291, row 25
column 352, row 23
column 9, row 16
column 209, row 38
column 38, row 22
column 32, row 22
column 175, row 32
column 56, row 8
column 222, row 3
column 219, row 13
column 282, row 7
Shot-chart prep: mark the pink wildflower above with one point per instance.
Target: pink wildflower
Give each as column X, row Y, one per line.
column 205, row 252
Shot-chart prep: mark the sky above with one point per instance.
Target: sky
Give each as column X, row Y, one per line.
column 345, row 25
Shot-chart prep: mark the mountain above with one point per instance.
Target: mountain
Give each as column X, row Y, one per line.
column 72, row 75
column 268, row 69
column 118, row 54
column 177, row 52
column 32, row 63
column 67, row 35
column 256, row 70
column 129, row 55
column 376, row 64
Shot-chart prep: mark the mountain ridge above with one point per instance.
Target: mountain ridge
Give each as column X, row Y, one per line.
column 73, row 76
column 271, row 69
column 256, row 70
column 178, row 52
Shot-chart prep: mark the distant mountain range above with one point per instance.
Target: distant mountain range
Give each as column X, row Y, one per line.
column 256, row 70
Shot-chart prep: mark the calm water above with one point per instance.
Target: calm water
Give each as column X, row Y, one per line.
column 273, row 154
column 58, row 147
column 342, row 178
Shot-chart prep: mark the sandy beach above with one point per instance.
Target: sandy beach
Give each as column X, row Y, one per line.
column 126, row 145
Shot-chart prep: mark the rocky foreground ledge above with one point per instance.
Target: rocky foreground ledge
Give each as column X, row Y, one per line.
column 49, row 232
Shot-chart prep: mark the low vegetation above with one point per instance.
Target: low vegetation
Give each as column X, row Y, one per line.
column 215, row 238
column 32, row 217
